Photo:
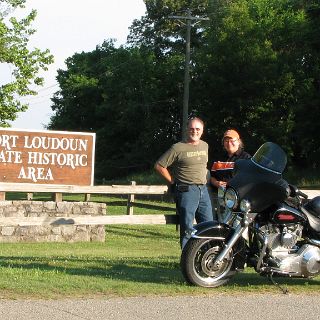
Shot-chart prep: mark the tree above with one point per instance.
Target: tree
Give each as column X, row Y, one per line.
column 252, row 74
column 306, row 127
column 254, row 67
column 25, row 63
column 119, row 94
column 161, row 32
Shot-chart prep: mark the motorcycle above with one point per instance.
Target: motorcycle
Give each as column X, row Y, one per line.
column 268, row 224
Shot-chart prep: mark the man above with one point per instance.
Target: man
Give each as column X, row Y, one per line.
column 184, row 166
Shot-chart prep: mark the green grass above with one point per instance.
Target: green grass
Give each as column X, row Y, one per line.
column 133, row 261
column 303, row 178
column 149, row 177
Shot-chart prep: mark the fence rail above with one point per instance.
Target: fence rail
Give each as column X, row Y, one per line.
column 110, row 189
column 130, row 190
column 103, row 189
column 58, row 191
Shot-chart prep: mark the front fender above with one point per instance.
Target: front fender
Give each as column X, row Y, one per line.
column 212, row 230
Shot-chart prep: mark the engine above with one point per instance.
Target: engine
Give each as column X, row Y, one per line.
column 284, row 238
column 288, row 255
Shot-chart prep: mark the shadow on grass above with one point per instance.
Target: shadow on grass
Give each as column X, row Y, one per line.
column 126, row 269
column 141, row 205
column 138, row 270
column 123, row 231
column 247, row 279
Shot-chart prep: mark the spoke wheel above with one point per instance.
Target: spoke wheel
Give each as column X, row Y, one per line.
column 198, row 263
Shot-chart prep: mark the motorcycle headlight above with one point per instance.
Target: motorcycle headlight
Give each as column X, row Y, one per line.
column 221, row 192
column 245, row 205
column 231, row 199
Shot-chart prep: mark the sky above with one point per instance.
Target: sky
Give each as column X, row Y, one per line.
column 66, row 27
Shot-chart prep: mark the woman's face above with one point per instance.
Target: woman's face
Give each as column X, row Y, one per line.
column 231, row 145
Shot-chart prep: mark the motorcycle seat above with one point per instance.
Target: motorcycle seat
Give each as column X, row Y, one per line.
column 313, row 206
column 312, row 211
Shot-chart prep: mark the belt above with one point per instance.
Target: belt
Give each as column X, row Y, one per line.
column 190, row 184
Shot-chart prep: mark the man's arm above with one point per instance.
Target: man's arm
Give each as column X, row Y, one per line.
column 164, row 172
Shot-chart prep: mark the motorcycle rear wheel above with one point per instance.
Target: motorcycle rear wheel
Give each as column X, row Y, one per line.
column 198, row 267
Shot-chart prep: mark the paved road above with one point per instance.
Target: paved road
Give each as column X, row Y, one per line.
column 222, row 307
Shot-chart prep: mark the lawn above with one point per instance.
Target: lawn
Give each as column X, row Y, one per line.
column 133, row 261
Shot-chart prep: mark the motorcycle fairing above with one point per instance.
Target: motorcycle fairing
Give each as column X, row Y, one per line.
column 261, row 187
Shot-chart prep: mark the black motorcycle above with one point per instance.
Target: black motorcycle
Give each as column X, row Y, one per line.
column 268, row 224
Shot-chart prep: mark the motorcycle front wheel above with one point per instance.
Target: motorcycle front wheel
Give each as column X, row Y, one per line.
column 198, row 267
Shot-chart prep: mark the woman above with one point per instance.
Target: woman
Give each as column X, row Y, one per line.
column 221, row 171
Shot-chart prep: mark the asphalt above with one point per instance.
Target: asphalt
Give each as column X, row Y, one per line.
column 262, row 306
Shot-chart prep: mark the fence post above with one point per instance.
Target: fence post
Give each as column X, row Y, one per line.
column 130, row 201
column 57, row 197
column 2, row 196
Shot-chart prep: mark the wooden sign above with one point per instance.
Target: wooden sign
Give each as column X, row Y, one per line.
column 46, row 157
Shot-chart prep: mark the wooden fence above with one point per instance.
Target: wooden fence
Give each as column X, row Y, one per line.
column 58, row 190
column 129, row 190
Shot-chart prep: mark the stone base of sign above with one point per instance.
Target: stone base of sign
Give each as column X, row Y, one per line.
column 51, row 232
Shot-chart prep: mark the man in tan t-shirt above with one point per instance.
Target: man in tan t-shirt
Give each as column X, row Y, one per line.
column 184, row 166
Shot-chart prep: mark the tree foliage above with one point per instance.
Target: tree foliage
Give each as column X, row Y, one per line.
column 254, row 67
column 25, row 63
column 263, row 53
column 118, row 93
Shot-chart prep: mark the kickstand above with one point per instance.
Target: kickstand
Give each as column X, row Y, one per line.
column 284, row 290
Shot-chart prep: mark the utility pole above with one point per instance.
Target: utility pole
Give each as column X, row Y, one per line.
column 185, row 111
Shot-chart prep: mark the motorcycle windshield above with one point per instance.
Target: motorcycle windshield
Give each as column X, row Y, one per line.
column 270, row 157
column 259, row 179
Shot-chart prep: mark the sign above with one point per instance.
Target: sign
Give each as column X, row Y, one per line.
column 46, row 157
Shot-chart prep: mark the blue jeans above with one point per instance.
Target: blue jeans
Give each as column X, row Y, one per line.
column 192, row 204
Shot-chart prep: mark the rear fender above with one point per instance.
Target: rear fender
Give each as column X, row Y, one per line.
column 212, row 230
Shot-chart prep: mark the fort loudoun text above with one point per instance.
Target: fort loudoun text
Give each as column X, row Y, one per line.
column 36, row 156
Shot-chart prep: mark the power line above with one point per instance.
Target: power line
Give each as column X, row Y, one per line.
column 46, row 88
column 33, row 98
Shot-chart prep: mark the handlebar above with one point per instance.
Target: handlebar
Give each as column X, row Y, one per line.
column 294, row 191
column 301, row 194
